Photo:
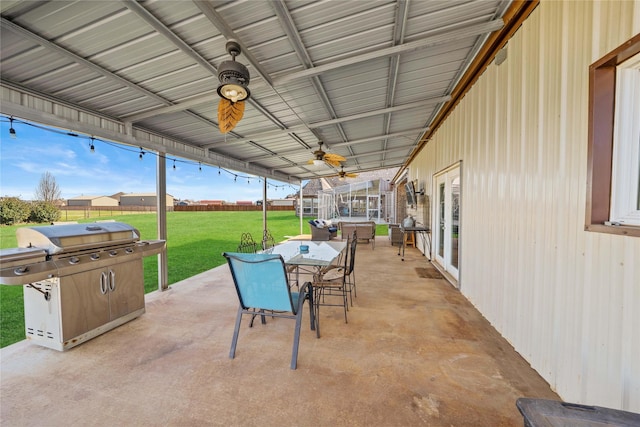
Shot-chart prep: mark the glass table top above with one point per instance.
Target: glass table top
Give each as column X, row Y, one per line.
column 319, row 254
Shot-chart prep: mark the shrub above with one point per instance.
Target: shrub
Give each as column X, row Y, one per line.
column 44, row 212
column 13, row 210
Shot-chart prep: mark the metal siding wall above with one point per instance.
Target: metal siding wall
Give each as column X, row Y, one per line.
column 568, row 300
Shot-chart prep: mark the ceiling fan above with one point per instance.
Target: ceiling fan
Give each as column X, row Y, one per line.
column 233, row 89
column 320, row 157
column 342, row 174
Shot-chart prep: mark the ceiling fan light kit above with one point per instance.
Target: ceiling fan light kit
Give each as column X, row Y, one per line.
column 233, row 92
column 233, row 76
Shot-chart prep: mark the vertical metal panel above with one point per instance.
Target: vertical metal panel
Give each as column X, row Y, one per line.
column 567, row 299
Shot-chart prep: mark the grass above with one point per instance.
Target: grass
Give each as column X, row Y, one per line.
column 195, row 243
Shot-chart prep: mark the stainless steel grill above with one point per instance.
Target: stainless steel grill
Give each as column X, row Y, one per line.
column 81, row 279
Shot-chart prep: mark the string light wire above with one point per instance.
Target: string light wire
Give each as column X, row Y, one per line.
column 141, row 153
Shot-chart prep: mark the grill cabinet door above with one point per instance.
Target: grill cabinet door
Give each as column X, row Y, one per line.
column 126, row 285
column 83, row 305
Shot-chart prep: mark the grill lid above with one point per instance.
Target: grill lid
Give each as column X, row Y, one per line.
column 20, row 256
column 72, row 237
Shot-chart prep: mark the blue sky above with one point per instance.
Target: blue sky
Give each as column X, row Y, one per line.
column 110, row 169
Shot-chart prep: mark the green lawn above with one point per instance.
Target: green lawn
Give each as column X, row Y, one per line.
column 195, row 243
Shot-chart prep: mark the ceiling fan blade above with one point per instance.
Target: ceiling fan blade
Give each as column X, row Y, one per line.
column 331, row 161
column 229, row 114
column 351, row 175
column 334, row 158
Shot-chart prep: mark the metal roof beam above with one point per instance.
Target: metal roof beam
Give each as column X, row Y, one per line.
column 79, row 60
column 162, row 29
column 218, row 21
column 347, row 143
column 447, row 37
column 276, row 133
column 293, row 35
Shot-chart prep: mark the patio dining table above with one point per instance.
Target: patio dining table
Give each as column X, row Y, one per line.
column 319, row 254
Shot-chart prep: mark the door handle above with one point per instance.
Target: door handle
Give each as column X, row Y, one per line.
column 112, row 280
column 103, row 283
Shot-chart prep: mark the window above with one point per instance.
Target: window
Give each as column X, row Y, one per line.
column 613, row 199
column 625, row 197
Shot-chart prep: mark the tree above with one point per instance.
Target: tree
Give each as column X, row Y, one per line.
column 47, row 190
column 13, row 210
column 44, row 212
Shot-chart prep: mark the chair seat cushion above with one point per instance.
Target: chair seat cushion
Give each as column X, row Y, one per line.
column 333, row 274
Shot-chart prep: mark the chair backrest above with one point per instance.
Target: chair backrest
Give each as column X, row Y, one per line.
column 352, row 250
column 261, row 281
column 247, row 244
column 267, row 240
column 348, row 254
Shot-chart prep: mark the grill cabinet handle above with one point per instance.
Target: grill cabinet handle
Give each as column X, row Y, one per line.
column 112, row 280
column 103, row 283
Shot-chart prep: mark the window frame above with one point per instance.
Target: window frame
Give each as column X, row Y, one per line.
column 602, row 90
column 626, row 146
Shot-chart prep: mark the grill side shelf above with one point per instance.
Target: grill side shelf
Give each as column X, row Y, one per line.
column 27, row 273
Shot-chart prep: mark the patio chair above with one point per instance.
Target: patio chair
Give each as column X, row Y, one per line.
column 247, row 244
column 334, row 283
column 267, row 240
column 262, row 285
column 346, row 268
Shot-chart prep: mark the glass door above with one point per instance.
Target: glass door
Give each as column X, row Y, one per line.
column 373, row 207
column 446, row 229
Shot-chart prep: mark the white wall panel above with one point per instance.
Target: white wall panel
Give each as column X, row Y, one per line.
column 567, row 299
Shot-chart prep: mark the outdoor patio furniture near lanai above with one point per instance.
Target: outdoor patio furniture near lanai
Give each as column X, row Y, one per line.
column 321, row 231
column 267, row 240
column 366, row 231
column 334, row 281
column 262, row 285
column 247, row 244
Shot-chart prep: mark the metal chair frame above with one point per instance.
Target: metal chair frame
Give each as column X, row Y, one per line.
column 247, row 244
column 266, row 288
column 335, row 287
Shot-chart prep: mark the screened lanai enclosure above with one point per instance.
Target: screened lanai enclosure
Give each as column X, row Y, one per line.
column 371, row 200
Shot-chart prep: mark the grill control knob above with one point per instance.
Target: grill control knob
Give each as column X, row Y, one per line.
column 95, row 256
column 21, row 270
column 129, row 250
column 74, row 260
column 113, row 253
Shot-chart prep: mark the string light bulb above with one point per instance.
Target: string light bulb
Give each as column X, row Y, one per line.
column 141, row 156
column 12, row 131
column 92, row 147
column 200, row 166
column 174, row 164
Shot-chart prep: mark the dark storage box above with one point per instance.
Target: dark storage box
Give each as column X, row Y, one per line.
column 552, row 413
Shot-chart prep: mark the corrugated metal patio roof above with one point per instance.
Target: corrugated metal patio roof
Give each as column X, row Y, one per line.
column 368, row 78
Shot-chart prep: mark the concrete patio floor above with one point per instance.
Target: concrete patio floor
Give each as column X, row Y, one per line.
column 415, row 352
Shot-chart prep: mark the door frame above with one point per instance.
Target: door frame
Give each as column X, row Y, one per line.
column 443, row 261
